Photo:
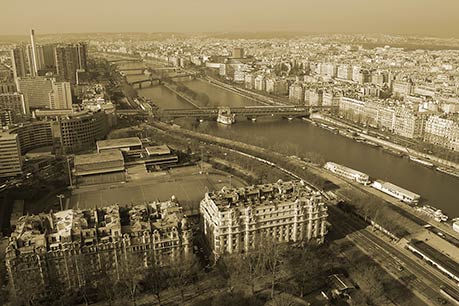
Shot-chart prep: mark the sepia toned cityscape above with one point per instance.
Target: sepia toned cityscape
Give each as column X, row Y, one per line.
column 220, row 154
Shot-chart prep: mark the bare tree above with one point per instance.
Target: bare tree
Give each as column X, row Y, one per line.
column 272, row 261
column 245, row 268
column 183, row 272
column 133, row 271
column 155, row 281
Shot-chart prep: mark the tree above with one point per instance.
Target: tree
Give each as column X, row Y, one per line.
column 245, row 268
column 106, row 288
column 368, row 278
column 133, row 272
column 183, row 272
column 306, row 266
column 272, row 255
column 155, row 281
column 234, row 298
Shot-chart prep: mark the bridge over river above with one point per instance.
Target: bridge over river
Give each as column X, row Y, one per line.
column 211, row 113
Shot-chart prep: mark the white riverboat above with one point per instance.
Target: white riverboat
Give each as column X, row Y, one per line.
column 397, row 192
column 348, row 173
column 225, row 116
column 433, row 213
column 421, row 161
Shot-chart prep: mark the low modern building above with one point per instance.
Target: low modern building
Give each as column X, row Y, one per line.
column 99, row 168
column 238, row 220
column 123, row 144
column 10, row 155
column 71, row 246
column 34, row 135
column 79, row 131
column 158, row 156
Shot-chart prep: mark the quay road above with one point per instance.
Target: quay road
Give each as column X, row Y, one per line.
column 259, row 98
column 398, row 263
column 427, row 279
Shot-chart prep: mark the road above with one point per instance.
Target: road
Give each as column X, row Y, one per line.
column 424, row 281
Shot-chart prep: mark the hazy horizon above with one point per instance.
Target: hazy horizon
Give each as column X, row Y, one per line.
column 407, row 17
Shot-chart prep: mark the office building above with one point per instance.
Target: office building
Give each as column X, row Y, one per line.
column 19, row 62
column 36, row 91
column 60, row 96
column 33, row 135
column 70, row 59
column 239, row 220
column 79, row 131
column 8, row 87
column 10, row 155
column 72, row 246
column 14, row 104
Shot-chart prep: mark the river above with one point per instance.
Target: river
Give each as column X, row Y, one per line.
column 437, row 189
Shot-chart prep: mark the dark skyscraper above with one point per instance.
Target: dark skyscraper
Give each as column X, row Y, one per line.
column 19, row 62
column 70, row 59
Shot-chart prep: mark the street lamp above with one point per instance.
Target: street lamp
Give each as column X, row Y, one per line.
column 60, row 197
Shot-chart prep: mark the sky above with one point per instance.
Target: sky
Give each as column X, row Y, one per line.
column 423, row 17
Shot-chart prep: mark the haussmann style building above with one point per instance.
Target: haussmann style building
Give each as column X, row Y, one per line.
column 74, row 246
column 238, row 220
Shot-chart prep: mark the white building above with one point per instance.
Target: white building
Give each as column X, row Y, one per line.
column 238, row 220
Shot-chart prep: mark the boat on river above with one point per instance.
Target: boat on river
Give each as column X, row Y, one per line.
column 448, row 171
column 225, row 116
column 421, row 161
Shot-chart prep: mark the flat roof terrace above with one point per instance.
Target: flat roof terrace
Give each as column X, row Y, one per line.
column 95, row 163
column 118, row 143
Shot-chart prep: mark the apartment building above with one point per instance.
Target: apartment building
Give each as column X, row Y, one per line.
column 10, row 155
column 73, row 245
column 238, row 220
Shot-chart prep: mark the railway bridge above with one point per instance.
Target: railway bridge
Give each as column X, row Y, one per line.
column 249, row 112
column 152, row 81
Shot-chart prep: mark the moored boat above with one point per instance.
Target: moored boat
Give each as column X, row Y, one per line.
column 421, row 161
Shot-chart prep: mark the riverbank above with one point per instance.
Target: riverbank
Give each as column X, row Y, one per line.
column 387, row 145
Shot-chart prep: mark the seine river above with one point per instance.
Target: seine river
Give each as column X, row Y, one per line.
column 437, row 189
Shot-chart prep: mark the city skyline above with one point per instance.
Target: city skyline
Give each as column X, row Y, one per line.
column 409, row 17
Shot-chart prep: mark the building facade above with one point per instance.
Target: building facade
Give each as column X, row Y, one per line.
column 60, row 96
column 10, row 155
column 36, row 91
column 443, row 132
column 72, row 246
column 14, row 104
column 70, row 59
column 79, row 131
column 238, row 220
